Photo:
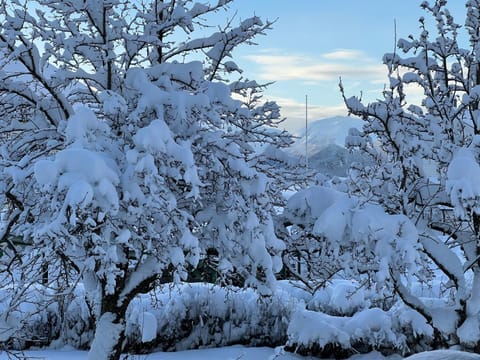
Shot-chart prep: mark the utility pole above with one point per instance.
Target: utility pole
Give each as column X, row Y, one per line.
column 306, row 132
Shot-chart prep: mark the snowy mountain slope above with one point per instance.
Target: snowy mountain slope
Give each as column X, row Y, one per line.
column 326, row 140
column 325, row 132
column 333, row 160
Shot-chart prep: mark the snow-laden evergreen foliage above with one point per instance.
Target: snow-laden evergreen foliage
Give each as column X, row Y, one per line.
column 125, row 160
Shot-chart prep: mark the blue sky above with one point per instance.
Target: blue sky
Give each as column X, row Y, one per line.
column 314, row 42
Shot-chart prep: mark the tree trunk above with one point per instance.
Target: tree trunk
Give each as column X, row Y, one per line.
column 109, row 336
column 468, row 328
column 110, row 327
column 109, row 330
column 469, row 331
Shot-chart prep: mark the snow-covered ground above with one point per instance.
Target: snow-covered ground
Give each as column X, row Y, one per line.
column 225, row 353
column 237, row 353
column 444, row 355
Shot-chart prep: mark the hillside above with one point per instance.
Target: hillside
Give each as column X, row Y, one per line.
column 326, row 151
column 324, row 132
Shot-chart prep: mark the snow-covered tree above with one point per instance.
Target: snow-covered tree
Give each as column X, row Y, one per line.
column 336, row 235
column 127, row 154
column 425, row 163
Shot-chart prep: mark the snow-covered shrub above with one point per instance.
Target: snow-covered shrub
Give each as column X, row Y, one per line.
column 203, row 315
column 78, row 325
column 399, row 329
column 32, row 320
column 372, row 252
column 191, row 315
column 341, row 297
column 337, row 234
column 172, row 317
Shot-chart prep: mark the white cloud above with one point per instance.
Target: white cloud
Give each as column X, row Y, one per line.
column 317, row 76
column 348, row 64
column 344, row 54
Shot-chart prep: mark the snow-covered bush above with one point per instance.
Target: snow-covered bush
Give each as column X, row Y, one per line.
column 203, row 315
column 371, row 252
column 341, row 297
column 171, row 317
column 30, row 320
column 334, row 231
column 78, row 321
column 399, row 329
column 191, row 315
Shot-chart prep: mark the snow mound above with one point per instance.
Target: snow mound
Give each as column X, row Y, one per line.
column 444, row 355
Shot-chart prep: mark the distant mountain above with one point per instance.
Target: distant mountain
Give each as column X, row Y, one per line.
column 325, row 132
column 326, row 140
